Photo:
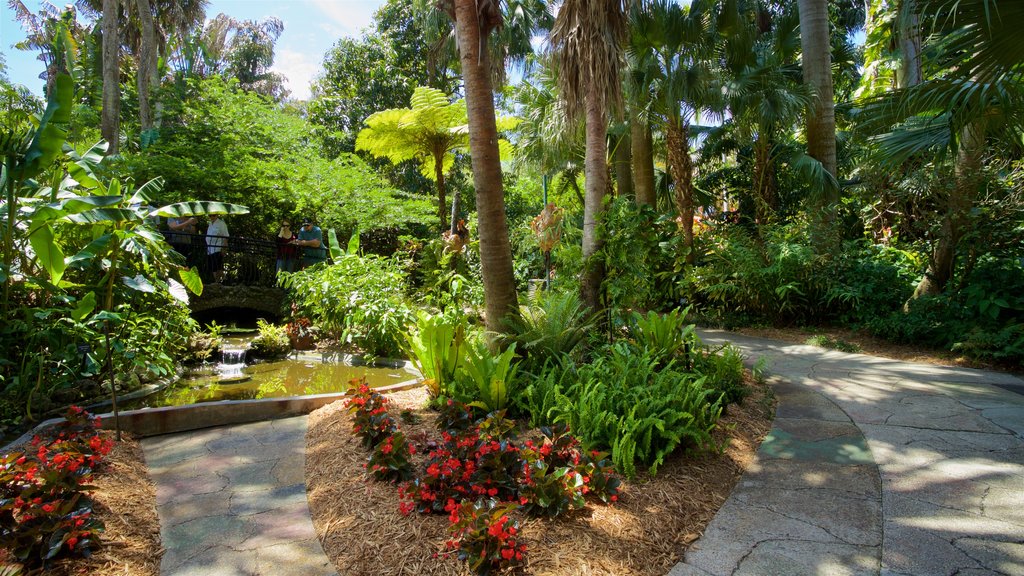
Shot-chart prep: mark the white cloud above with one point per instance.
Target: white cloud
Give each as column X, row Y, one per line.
column 298, row 69
column 351, row 15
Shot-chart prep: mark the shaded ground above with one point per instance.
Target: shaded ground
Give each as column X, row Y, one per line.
column 868, row 344
column 644, row 534
column 125, row 500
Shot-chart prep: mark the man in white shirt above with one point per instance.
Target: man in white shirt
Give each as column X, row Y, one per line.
column 216, row 240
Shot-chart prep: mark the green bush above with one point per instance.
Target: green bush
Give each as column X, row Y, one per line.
column 435, row 347
column 629, row 403
column 664, row 336
column 723, row 369
column 271, row 342
column 359, row 300
column 552, row 325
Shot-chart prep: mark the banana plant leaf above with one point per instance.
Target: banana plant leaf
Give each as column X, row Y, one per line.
column 199, row 208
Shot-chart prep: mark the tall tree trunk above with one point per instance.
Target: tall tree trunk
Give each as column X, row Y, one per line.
column 442, row 203
column 495, row 249
column 110, row 119
column 681, row 165
column 817, row 68
column 909, row 73
column 596, row 184
column 643, row 161
column 942, row 260
column 623, row 165
column 764, row 180
column 146, row 77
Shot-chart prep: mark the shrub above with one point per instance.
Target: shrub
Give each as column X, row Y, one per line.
column 370, row 418
column 486, row 536
column 272, row 341
column 358, row 299
column 486, row 379
column 551, row 326
column 44, row 507
column 390, row 459
column 436, row 345
column 664, row 335
column 642, row 411
column 824, row 341
column 723, row 369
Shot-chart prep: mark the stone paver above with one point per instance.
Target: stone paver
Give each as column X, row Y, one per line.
column 232, row 501
column 874, row 466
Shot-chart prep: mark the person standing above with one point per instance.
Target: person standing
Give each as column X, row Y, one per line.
column 311, row 239
column 287, row 252
column 216, row 240
column 183, row 231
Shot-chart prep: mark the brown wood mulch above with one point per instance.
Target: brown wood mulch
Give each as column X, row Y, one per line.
column 646, row 532
column 125, row 500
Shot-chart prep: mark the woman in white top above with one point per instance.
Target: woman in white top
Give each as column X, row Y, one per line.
column 216, row 240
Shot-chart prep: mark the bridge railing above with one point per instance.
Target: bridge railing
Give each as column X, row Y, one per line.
column 247, row 261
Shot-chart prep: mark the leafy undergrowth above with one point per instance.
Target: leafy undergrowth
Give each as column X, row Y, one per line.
column 645, row 532
column 124, row 501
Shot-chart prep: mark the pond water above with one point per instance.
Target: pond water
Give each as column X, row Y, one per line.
column 233, row 380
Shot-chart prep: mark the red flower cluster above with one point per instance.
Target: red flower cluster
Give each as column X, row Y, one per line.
column 44, row 510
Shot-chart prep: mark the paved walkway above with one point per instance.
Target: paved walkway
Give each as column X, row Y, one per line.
column 874, row 466
column 232, row 501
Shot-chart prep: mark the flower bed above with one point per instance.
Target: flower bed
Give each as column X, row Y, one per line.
column 645, row 532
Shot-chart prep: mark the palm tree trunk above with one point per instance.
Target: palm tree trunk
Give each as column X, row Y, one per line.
column 909, row 73
column 764, row 180
column 596, row 184
column 495, row 249
column 643, row 161
column 146, row 77
column 442, row 203
column 817, row 67
column 681, row 165
column 111, row 116
column 942, row 260
column 623, row 165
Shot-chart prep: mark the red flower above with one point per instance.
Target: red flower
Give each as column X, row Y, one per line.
column 507, row 553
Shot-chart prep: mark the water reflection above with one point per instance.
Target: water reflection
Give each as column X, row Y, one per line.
column 272, row 380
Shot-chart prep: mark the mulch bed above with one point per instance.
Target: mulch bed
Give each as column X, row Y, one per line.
column 125, row 500
column 646, row 532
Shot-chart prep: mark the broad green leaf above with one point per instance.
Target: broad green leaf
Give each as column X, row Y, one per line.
column 139, row 282
column 104, row 215
column 177, row 291
column 49, row 138
column 353, row 243
column 83, row 203
column 332, row 243
column 148, row 191
column 85, row 307
column 198, row 208
column 91, row 250
column 190, row 278
column 48, row 253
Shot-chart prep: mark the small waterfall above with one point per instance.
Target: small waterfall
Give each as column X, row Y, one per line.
column 232, row 360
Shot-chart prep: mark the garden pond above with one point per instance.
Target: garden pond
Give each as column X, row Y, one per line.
column 300, row 374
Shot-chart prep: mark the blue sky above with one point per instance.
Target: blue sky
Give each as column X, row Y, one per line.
column 311, row 27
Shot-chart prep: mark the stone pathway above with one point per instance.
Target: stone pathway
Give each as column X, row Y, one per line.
column 874, row 466
column 232, row 501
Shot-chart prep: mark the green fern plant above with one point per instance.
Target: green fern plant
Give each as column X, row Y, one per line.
column 551, row 325
column 664, row 335
column 488, row 377
column 436, row 347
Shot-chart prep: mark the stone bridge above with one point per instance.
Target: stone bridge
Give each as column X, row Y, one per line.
column 258, row 298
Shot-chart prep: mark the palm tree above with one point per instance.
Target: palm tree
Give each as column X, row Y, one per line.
column 146, row 75
column 765, row 95
column 110, row 118
column 586, row 41
column 474, row 22
column 817, row 68
column 976, row 96
column 678, row 45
